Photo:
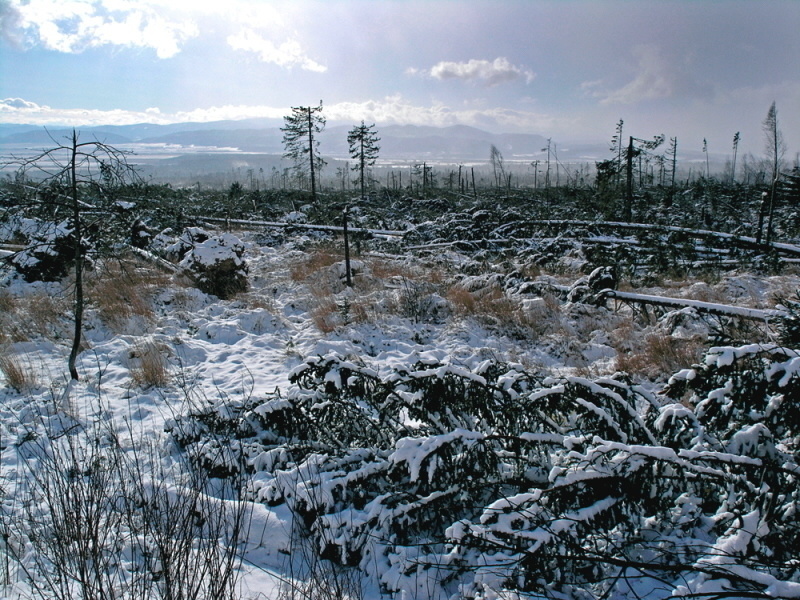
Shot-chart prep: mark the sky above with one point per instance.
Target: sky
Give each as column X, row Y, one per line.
column 566, row 69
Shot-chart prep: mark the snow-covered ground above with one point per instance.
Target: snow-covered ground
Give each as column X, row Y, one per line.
column 401, row 310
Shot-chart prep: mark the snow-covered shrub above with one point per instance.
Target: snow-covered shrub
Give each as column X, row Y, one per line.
column 164, row 243
column 215, row 262
column 49, row 253
column 476, row 481
column 141, row 236
column 586, row 288
column 789, row 325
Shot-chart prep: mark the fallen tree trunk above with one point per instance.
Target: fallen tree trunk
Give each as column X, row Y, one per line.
column 724, row 310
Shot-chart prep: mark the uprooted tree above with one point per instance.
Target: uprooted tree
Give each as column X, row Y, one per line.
column 70, row 191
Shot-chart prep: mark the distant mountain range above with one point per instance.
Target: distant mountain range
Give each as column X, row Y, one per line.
column 398, row 142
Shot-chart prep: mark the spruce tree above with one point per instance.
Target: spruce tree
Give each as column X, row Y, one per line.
column 363, row 141
column 298, row 138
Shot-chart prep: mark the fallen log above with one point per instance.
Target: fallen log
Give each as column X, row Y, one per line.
column 723, row 310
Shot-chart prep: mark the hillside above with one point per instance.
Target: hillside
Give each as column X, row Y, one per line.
column 408, row 142
column 508, row 401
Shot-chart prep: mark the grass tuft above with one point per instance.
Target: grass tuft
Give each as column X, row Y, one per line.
column 18, row 376
column 150, row 367
column 120, row 291
column 660, row 355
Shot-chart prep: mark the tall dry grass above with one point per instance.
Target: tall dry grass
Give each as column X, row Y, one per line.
column 123, row 289
column 302, row 269
column 17, row 373
column 149, row 365
column 657, row 355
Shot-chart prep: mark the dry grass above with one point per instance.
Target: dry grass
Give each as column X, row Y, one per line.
column 492, row 307
column 325, row 314
column 779, row 292
column 659, row 356
column 150, row 367
column 122, row 290
column 39, row 314
column 7, row 302
column 17, row 375
column 302, row 269
column 45, row 315
column 385, row 269
column 8, row 318
column 704, row 292
column 463, row 301
column 253, row 300
column 488, row 304
column 329, row 311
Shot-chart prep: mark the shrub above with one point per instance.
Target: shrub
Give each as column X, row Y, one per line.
column 102, row 514
column 489, row 480
column 214, row 262
column 49, row 253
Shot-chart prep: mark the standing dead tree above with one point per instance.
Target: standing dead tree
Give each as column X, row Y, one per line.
column 636, row 146
column 776, row 148
column 63, row 179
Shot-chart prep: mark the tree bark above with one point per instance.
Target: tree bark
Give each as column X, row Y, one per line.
column 348, row 276
column 628, row 216
column 78, row 234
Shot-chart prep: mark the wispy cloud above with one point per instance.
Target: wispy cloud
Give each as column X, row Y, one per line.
column 389, row 110
column 289, row 54
column 487, row 72
column 397, row 110
column 72, row 26
column 656, row 77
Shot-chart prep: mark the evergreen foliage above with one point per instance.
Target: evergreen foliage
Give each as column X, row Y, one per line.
column 492, row 479
column 302, row 147
column 363, row 142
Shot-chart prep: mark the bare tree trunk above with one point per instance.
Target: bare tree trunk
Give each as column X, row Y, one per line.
column 311, row 156
column 628, row 216
column 348, row 276
column 78, row 234
column 362, row 166
column 771, row 209
column 761, row 210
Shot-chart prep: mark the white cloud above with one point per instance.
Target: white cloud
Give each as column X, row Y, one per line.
column 72, row 26
column 489, row 73
column 10, row 104
column 657, row 77
column 228, row 112
column 289, row 54
column 19, row 111
column 389, row 110
column 396, row 110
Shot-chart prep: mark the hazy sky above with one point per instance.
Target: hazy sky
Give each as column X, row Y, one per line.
column 567, row 69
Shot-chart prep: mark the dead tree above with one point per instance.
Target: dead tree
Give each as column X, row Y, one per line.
column 65, row 174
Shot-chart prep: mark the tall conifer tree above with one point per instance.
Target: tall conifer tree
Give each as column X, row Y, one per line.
column 363, row 140
column 299, row 131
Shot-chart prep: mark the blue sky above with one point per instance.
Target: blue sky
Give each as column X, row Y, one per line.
column 567, row 69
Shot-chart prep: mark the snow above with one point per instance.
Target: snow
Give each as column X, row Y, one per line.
column 220, row 352
column 712, row 307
